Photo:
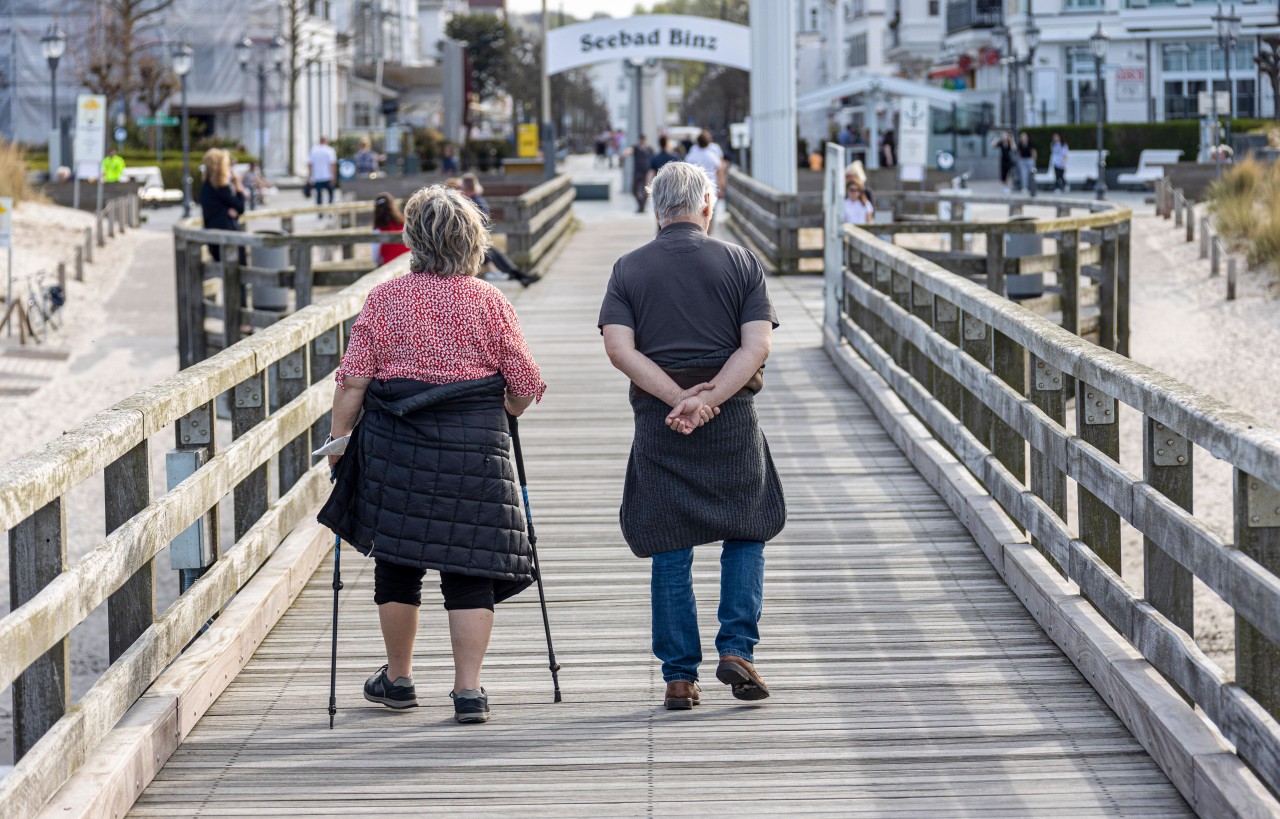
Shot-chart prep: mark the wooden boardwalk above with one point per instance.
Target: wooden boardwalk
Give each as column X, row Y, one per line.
column 908, row 680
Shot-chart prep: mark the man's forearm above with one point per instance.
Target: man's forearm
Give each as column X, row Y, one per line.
column 648, row 376
column 734, row 375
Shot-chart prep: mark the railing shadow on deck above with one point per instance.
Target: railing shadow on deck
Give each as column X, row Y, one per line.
column 282, row 267
column 992, row 382
column 277, row 383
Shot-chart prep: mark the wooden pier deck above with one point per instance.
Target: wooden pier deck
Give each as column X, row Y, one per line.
column 908, row 679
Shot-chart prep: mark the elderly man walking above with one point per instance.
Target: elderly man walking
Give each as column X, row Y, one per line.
column 688, row 319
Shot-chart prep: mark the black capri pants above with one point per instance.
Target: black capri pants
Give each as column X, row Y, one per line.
column 394, row 583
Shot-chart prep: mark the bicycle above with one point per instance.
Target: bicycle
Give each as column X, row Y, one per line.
column 44, row 303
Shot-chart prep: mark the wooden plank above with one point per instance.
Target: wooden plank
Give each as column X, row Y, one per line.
column 132, row 609
column 1257, row 533
column 249, row 408
column 42, row 692
column 1167, row 465
column 1047, row 391
column 1097, row 424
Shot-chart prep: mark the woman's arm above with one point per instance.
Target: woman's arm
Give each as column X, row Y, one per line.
column 346, row 408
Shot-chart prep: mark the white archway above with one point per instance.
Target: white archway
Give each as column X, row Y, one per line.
column 648, row 36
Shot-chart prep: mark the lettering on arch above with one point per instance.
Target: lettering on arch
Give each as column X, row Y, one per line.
column 649, row 36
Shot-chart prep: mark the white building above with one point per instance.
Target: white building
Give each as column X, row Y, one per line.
column 661, row 94
column 1160, row 55
column 839, row 40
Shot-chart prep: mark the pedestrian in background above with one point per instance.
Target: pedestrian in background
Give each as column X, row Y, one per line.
column 1058, row 153
column 660, row 159
column 1026, row 164
column 641, row 160
column 366, row 160
column 436, row 357
column 255, row 184
column 222, row 198
column 858, row 209
column 112, row 166
column 387, row 218
column 323, row 167
column 448, row 161
column 1004, row 144
column 494, row 258
column 688, row 319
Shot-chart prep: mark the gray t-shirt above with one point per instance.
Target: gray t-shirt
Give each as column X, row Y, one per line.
column 686, row 295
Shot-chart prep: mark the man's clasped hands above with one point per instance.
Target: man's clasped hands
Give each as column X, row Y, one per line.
column 691, row 411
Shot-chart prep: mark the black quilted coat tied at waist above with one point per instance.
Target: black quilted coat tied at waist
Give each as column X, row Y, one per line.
column 427, row 481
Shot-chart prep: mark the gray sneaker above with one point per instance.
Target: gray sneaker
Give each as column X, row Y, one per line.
column 398, row 694
column 470, row 705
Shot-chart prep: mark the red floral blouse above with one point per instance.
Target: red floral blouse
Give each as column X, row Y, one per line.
column 440, row 329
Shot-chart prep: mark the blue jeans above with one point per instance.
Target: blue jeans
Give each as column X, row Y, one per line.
column 675, row 612
column 324, row 185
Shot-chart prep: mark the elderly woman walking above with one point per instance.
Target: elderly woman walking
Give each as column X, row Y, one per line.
column 688, row 319
column 435, row 362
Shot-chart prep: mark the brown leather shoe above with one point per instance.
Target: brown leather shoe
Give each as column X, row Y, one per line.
column 682, row 695
column 741, row 675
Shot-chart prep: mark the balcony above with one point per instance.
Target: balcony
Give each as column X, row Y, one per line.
column 968, row 14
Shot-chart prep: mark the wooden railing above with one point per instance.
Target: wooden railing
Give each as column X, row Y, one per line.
column 996, row 383
column 771, row 221
column 1085, row 272
column 279, row 387
column 534, row 225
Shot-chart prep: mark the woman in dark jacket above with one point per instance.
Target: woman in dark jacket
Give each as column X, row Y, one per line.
column 222, row 197
column 436, row 361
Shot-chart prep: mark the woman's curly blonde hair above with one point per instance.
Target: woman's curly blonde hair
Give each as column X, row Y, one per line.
column 446, row 233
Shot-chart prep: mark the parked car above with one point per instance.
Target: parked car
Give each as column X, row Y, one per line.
column 153, row 191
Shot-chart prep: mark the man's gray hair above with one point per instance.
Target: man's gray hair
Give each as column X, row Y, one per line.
column 680, row 191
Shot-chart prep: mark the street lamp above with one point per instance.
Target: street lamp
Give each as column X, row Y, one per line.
column 1098, row 42
column 272, row 62
column 1032, row 35
column 54, row 45
column 180, row 58
column 1228, row 26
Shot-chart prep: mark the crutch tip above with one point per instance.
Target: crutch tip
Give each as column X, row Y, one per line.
column 558, row 698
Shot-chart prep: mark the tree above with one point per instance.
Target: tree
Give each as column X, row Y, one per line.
column 156, row 83
column 1269, row 64
column 490, row 44
column 698, row 74
column 128, row 22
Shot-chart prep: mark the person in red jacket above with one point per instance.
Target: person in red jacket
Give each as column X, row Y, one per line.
column 387, row 218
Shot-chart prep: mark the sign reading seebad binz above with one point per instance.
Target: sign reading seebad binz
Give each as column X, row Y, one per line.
column 649, row 36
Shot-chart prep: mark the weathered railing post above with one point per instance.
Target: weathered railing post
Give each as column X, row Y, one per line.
column 833, row 243
column 348, row 250
column 1107, row 286
column 88, row 245
column 1009, row 363
column 946, row 322
column 1205, row 236
column 190, row 292
column 1122, row 267
column 1069, row 279
column 922, row 369
column 195, row 549
column 1047, row 481
column 302, row 274
column 1097, row 425
column 1231, row 278
column 79, row 263
column 977, row 344
column 232, row 295
column 249, row 408
column 290, row 376
column 1257, row 534
column 995, row 262
column 132, row 608
column 1167, row 466
column 1177, row 208
column 42, row 693
column 326, row 355
column 1191, row 221
column 1215, row 257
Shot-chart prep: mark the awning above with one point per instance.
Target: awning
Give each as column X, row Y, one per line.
column 946, row 72
column 889, row 86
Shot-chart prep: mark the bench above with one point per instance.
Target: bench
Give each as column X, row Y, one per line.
column 1151, row 164
column 1082, row 168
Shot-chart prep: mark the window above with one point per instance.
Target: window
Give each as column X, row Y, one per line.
column 1081, row 5
column 848, row 10
column 859, row 8
column 362, row 114
column 856, row 51
column 813, row 19
column 933, row 8
column 1190, row 67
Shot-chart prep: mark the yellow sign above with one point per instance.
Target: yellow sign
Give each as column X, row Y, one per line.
column 6, row 221
column 527, row 140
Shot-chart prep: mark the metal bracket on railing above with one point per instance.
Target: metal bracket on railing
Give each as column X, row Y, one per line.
column 249, row 393
column 974, row 329
column 1047, row 378
column 945, row 311
column 901, row 284
column 1170, row 448
column 1122, row 229
column 294, row 365
column 196, row 427
column 1099, row 408
column 920, row 297
column 1264, row 504
column 327, row 342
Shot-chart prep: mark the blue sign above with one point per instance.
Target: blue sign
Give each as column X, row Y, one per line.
column 121, row 135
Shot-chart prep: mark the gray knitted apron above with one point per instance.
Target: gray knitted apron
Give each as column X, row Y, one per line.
column 718, row 483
